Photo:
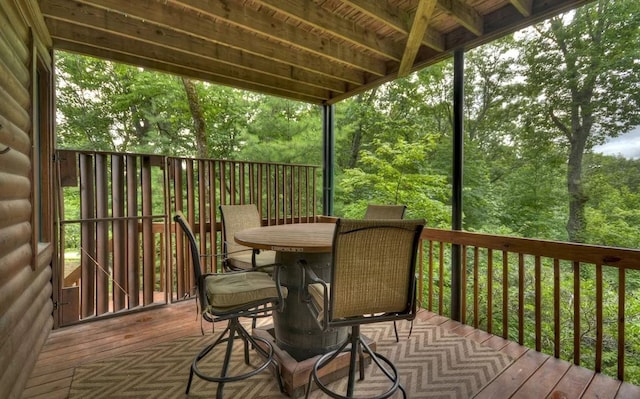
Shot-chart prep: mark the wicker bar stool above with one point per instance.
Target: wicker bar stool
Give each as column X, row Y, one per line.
column 229, row 296
column 372, row 280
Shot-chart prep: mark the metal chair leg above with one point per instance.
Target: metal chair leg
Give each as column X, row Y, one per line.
column 234, row 330
column 356, row 343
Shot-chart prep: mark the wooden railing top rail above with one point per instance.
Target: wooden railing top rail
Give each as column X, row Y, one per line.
column 160, row 157
column 585, row 253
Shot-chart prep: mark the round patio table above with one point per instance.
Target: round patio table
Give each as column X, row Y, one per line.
column 296, row 330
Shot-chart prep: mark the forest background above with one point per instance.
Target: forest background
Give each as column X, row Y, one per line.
column 537, row 103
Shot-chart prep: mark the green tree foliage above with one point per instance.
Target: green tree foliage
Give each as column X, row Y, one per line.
column 386, row 143
column 279, row 130
column 582, row 85
column 115, row 107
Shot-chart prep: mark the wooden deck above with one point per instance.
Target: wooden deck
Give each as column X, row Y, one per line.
column 531, row 375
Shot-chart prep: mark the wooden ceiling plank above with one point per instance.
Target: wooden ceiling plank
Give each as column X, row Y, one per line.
column 323, row 20
column 421, row 20
column 524, row 7
column 97, row 17
column 396, row 19
column 212, row 46
column 260, row 23
column 126, row 45
column 466, row 15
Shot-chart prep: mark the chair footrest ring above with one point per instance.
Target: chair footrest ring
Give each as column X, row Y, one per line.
column 268, row 360
column 391, row 374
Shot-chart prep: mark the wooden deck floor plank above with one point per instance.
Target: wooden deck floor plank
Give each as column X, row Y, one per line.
column 496, row 342
column 602, row 387
column 124, row 325
column 513, row 377
column 437, row 320
column 628, row 391
column 53, row 373
column 59, row 374
column 46, row 383
column 93, row 344
column 514, row 350
column 463, row 330
column 62, row 393
column 573, row 383
column 450, row 324
column 541, row 383
column 104, row 350
column 479, row 336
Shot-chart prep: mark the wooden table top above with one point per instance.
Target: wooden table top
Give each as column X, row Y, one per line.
column 299, row 237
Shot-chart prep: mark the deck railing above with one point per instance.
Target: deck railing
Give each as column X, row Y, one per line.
column 567, row 300
column 116, row 246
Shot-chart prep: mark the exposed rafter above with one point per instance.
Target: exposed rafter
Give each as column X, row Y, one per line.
column 318, row 51
column 464, row 14
column 421, row 20
column 523, row 6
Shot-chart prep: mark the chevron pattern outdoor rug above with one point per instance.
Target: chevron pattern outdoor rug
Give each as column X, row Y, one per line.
column 433, row 363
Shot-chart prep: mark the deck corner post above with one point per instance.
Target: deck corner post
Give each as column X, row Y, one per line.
column 328, row 158
column 458, row 166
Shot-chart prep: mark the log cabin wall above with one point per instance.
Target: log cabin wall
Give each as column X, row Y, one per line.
column 26, row 212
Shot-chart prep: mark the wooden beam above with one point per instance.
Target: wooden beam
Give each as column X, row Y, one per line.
column 466, row 15
column 524, row 7
column 396, row 19
column 421, row 20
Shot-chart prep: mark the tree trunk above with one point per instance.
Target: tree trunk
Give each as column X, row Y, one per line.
column 577, row 198
column 198, row 117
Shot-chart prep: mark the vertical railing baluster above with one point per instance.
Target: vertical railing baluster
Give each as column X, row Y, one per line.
column 538, row 302
column 270, row 191
column 222, row 183
column 132, row 238
column 556, row 308
column 521, row 286
column 441, row 277
column 202, row 216
column 505, row 294
column 101, row 261
column 182, row 260
column 313, row 193
column 118, row 239
column 430, row 298
column 184, row 274
column 463, row 294
column 148, row 254
column 299, row 194
column 87, row 233
column 213, row 211
column 576, row 313
column 420, row 273
column 476, row 288
column 599, row 321
column 490, row 291
column 622, row 293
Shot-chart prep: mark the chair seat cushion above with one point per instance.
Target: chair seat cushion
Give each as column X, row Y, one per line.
column 242, row 260
column 230, row 290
